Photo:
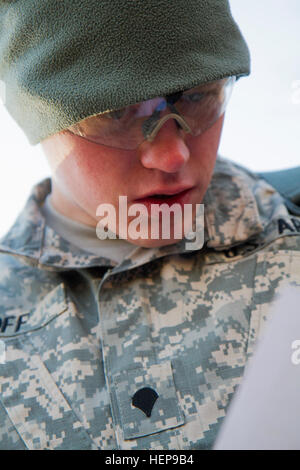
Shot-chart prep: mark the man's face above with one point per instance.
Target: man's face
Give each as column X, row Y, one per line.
column 87, row 174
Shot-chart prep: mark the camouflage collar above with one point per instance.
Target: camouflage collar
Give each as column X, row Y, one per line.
column 232, row 216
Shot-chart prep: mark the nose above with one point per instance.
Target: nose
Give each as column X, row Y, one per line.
column 168, row 152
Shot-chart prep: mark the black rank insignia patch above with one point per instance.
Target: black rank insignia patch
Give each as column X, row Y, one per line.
column 144, row 399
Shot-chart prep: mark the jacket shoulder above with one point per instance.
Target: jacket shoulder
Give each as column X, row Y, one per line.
column 256, row 203
column 287, row 183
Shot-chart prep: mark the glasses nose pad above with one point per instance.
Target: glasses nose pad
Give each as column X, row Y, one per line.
column 152, row 125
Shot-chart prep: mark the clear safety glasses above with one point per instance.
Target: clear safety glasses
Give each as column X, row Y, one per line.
column 194, row 110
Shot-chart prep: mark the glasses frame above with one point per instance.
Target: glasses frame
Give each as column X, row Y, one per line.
column 150, row 134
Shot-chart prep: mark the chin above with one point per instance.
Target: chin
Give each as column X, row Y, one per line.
column 170, row 236
column 149, row 243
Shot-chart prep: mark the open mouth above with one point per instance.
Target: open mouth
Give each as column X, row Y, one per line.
column 161, row 196
column 180, row 197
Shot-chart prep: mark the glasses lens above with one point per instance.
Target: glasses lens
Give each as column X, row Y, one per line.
column 200, row 107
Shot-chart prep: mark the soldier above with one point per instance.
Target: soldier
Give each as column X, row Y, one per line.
column 131, row 343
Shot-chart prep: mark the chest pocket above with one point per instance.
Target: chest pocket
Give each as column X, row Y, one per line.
column 17, row 322
column 32, row 400
column 146, row 401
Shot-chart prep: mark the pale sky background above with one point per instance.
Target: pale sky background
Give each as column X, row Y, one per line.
column 262, row 127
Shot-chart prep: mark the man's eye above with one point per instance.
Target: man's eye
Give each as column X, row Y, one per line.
column 195, row 97
column 116, row 114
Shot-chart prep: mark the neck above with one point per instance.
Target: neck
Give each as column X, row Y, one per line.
column 65, row 206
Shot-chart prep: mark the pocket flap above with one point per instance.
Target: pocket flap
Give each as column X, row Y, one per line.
column 17, row 321
column 147, row 400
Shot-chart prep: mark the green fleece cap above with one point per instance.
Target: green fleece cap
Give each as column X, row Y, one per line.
column 65, row 60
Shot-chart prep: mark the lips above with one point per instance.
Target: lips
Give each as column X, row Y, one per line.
column 165, row 193
column 168, row 197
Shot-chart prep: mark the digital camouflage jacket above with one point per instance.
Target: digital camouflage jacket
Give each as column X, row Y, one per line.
column 82, row 335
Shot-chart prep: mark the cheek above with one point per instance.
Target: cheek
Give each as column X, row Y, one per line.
column 79, row 174
column 204, row 148
column 87, row 173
